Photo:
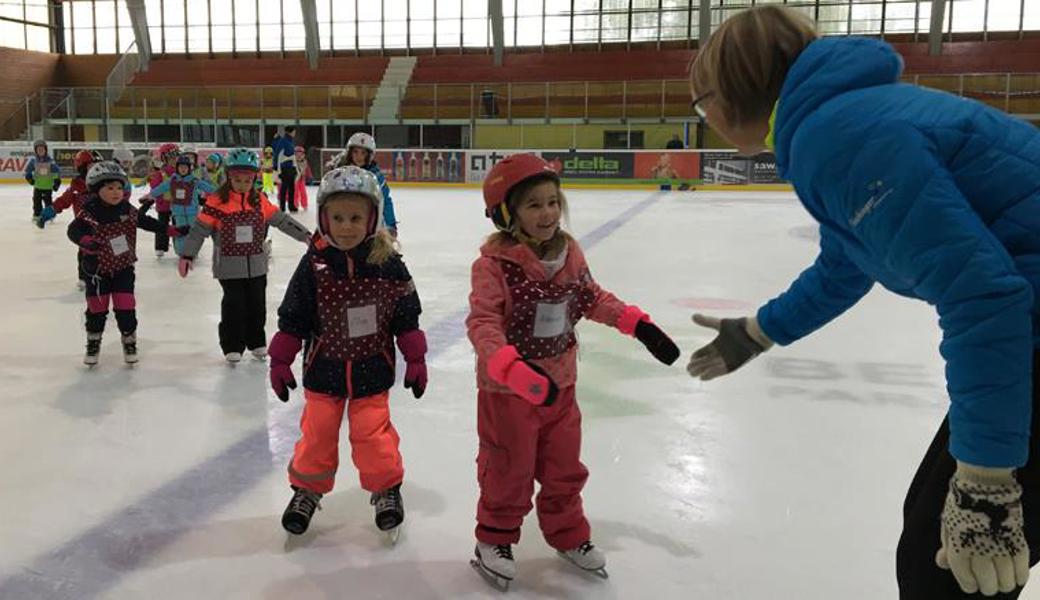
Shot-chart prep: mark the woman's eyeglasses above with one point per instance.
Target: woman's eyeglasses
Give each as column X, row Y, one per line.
column 697, row 108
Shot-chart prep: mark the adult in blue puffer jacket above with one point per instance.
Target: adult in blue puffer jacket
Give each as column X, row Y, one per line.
column 937, row 198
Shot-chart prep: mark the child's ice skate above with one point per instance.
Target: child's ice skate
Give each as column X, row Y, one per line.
column 587, row 558
column 389, row 511
column 297, row 516
column 93, row 349
column 495, row 564
column 130, row 348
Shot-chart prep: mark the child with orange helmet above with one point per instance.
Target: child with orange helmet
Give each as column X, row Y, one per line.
column 530, row 287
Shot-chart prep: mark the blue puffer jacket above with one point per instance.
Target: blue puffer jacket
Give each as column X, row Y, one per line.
column 936, row 198
column 389, row 216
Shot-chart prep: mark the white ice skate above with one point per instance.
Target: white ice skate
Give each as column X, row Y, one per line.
column 160, row 253
column 233, row 357
column 587, row 558
column 259, row 353
column 81, row 285
column 495, row 564
column 130, row 349
column 93, row 349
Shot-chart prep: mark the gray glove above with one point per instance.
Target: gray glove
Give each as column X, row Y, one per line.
column 982, row 539
column 739, row 341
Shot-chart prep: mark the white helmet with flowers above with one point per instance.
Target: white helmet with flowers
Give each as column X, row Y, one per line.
column 362, row 140
column 350, row 180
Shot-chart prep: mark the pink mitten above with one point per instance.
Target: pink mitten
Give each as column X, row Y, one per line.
column 283, row 350
column 413, row 347
column 525, row 379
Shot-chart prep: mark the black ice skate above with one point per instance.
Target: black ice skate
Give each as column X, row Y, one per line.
column 389, row 511
column 297, row 516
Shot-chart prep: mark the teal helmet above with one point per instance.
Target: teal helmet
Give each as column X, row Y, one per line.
column 215, row 158
column 242, row 158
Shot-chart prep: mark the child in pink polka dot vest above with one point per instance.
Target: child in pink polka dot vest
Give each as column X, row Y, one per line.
column 350, row 297
column 531, row 285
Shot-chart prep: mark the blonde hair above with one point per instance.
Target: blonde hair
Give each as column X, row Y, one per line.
column 517, row 194
column 384, row 246
column 744, row 63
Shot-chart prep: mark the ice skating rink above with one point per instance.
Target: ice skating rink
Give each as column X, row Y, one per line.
column 167, row 480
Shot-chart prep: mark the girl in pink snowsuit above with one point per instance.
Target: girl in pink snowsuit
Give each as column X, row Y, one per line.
column 531, row 285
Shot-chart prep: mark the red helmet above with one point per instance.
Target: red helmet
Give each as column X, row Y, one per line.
column 168, row 150
column 82, row 159
column 505, row 175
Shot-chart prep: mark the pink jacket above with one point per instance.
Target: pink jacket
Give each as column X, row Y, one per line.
column 491, row 307
column 156, row 178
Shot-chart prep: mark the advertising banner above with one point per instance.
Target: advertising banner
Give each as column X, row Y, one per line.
column 720, row 168
column 471, row 166
column 592, row 165
column 667, row 166
column 441, row 166
column 435, row 166
column 763, row 169
column 479, row 162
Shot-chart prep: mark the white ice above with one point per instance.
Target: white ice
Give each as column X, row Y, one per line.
column 167, row 480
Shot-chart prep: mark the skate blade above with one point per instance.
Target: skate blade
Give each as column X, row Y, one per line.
column 493, row 579
column 392, row 535
column 600, row 572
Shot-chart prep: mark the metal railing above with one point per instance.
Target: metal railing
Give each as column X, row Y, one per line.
column 122, row 73
column 20, row 118
column 565, row 102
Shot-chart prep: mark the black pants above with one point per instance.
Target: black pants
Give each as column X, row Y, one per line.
column 919, row 577
column 41, row 198
column 116, row 290
column 287, row 189
column 162, row 240
column 243, row 313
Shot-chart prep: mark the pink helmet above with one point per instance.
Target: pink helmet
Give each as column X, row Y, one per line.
column 168, row 149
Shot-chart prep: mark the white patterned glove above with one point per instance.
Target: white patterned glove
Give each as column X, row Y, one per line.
column 738, row 341
column 982, row 539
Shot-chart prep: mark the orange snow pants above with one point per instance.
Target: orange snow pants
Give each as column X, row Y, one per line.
column 373, row 442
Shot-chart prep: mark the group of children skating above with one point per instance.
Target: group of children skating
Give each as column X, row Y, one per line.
column 351, row 300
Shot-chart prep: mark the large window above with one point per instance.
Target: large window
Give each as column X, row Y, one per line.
column 178, row 26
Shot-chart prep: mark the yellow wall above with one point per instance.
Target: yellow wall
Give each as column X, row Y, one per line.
column 91, row 133
column 577, row 136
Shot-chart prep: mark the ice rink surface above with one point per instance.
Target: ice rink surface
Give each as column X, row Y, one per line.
column 167, row 480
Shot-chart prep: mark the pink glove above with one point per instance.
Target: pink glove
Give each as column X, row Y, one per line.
column 183, row 266
column 89, row 244
column 176, row 232
column 283, row 350
column 413, row 347
column 525, row 379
